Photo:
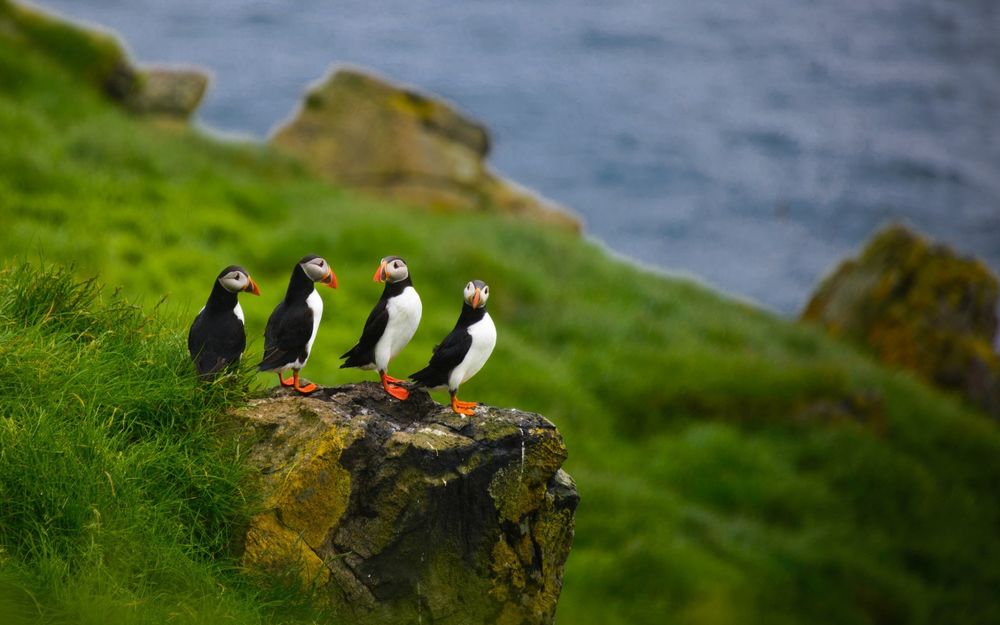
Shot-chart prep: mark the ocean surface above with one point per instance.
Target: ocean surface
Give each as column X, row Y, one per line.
column 751, row 144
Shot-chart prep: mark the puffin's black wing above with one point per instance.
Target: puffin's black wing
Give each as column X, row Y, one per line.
column 215, row 342
column 364, row 352
column 446, row 357
column 286, row 335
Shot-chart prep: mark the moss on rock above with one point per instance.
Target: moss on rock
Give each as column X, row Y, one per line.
column 271, row 546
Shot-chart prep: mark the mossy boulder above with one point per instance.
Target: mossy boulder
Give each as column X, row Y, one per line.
column 404, row 512
column 919, row 306
column 363, row 131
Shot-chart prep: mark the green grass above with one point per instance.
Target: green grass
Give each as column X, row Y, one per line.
column 120, row 485
column 733, row 467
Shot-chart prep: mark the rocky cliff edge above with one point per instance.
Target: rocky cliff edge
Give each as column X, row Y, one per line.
column 404, row 512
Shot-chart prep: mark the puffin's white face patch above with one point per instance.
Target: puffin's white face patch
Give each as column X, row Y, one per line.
column 234, row 281
column 396, row 270
column 316, row 269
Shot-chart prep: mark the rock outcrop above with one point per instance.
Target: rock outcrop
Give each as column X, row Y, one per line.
column 164, row 91
column 100, row 59
column 921, row 307
column 404, row 512
column 362, row 131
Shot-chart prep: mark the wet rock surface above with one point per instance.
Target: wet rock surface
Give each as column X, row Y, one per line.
column 404, row 512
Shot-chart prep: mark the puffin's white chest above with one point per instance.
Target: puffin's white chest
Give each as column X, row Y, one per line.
column 238, row 312
column 404, row 316
column 484, row 339
column 315, row 304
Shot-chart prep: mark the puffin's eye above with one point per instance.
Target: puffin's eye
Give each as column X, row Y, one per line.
column 395, row 265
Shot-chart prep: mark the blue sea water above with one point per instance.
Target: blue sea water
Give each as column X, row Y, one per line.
column 752, row 144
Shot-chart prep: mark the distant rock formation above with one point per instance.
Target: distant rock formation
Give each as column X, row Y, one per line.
column 101, row 60
column 404, row 512
column 365, row 132
column 164, row 91
column 921, row 307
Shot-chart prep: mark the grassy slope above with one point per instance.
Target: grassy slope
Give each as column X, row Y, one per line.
column 704, row 500
column 119, row 489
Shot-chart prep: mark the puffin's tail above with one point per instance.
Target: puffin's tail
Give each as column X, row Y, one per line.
column 429, row 377
column 354, row 358
column 273, row 360
column 209, row 365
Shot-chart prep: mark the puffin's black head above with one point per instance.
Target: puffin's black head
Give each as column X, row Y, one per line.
column 391, row 269
column 318, row 270
column 235, row 279
column 476, row 293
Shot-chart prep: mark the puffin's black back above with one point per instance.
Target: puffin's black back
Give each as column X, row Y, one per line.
column 450, row 352
column 364, row 352
column 217, row 337
column 290, row 325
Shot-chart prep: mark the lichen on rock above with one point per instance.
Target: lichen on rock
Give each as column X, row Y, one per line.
column 918, row 306
column 401, row 512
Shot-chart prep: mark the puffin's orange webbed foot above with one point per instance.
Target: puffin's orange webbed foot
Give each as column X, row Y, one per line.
column 284, row 382
column 466, row 408
column 397, row 391
column 391, row 386
column 308, row 388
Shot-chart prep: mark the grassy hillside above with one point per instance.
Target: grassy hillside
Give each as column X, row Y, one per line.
column 117, row 485
column 733, row 467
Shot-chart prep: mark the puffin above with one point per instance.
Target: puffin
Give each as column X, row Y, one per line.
column 217, row 338
column 390, row 325
column 464, row 351
column 291, row 328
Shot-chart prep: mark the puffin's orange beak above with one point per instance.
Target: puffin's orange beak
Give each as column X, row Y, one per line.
column 475, row 299
column 330, row 279
column 252, row 286
column 380, row 273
